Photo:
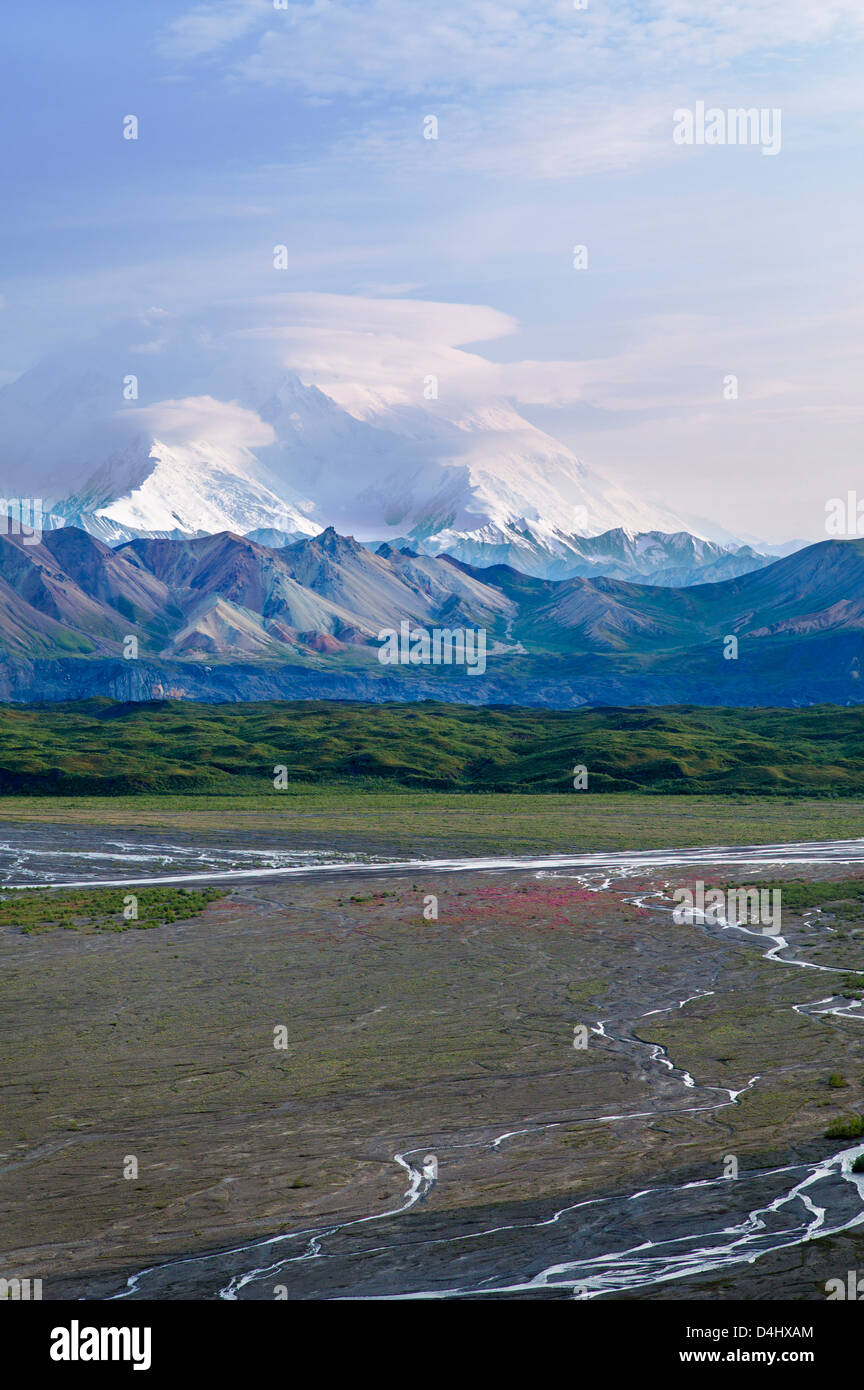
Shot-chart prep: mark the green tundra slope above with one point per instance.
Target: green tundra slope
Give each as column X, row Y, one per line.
column 100, row 747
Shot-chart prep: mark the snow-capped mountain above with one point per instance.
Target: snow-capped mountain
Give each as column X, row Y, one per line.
column 199, row 487
column 674, row 559
column 648, row 557
column 168, row 425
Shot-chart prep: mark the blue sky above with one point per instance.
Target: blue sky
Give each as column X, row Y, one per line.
column 304, row 126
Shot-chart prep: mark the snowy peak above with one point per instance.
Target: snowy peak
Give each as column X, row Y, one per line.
column 201, row 486
column 171, row 425
column 648, row 557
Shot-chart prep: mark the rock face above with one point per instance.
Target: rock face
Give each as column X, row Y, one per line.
column 222, row 618
column 225, row 596
column 768, row 681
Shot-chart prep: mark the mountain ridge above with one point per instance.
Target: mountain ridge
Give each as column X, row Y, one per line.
column 320, row 605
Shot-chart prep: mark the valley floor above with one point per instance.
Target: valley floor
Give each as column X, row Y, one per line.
column 397, row 823
column 424, row 1124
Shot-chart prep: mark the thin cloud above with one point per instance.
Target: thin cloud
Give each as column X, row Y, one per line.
column 201, row 418
column 207, row 29
column 331, row 47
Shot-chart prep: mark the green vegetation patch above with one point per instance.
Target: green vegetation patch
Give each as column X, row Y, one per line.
column 105, row 747
column 841, row 897
column 850, row 1127
column 102, row 909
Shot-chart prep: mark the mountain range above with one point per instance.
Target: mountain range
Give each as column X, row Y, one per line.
column 224, row 617
column 649, row 557
column 201, row 493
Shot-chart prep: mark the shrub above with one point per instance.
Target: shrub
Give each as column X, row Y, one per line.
column 852, row 1127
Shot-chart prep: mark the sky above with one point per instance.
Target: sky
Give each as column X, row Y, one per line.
column 304, row 126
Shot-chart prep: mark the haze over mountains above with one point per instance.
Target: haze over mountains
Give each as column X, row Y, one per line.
column 170, row 425
column 204, row 478
column 223, row 617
